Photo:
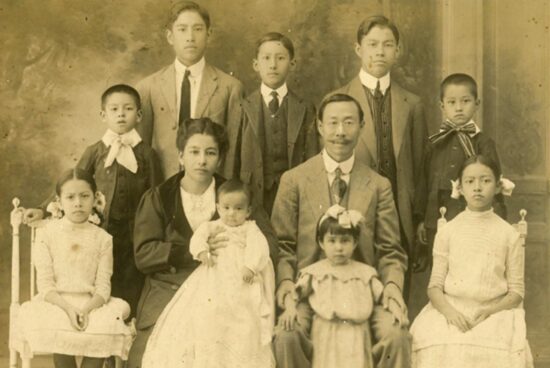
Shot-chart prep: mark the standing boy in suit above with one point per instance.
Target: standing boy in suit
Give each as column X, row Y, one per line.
column 305, row 193
column 188, row 88
column 395, row 134
column 278, row 129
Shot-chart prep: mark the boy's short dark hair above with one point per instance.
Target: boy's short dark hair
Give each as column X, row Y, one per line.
column 339, row 97
column 376, row 21
column 179, row 7
column 460, row 79
column 232, row 186
column 276, row 36
column 121, row 88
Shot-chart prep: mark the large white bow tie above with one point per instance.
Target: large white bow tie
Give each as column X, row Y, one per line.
column 121, row 149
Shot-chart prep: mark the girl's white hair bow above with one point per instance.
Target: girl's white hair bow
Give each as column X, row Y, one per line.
column 346, row 218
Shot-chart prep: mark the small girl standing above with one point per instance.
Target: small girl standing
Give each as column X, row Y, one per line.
column 342, row 293
column 223, row 315
column 73, row 314
column 475, row 317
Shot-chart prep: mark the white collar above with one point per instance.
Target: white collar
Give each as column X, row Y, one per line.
column 131, row 138
column 266, row 92
column 195, row 69
column 472, row 134
column 331, row 164
column 370, row 81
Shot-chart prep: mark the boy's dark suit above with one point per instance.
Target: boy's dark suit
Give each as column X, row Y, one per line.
column 219, row 99
column 123, row 190
column 302, row 141
column 161, row 245
column 409, row 137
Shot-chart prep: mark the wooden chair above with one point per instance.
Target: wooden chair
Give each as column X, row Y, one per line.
column 15, row 347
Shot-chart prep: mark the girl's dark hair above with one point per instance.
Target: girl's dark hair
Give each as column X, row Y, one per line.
column 205, row 126
column 484, row 160
column 75, row 174
column 331, row 225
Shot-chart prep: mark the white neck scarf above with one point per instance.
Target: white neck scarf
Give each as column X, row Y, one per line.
column 121, row 148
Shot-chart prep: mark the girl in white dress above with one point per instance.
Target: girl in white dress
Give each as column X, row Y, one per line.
column 475, row 317
column 73, row 313
column 223, row 314
column 342, row 293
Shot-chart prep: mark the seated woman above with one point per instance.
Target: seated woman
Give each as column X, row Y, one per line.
column 169, row 214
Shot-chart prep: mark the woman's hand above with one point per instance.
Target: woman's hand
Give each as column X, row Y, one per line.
column 456, row 318
column 206, row 258
column 248, row 275
column 83, row 319
column 216, row 240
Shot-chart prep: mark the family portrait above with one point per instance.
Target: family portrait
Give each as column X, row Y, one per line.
column 275, row 184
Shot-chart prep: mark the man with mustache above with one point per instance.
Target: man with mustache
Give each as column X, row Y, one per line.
column 335, row 176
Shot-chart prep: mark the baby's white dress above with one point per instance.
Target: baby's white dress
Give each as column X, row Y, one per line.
column 216, row 319
column 76, row 260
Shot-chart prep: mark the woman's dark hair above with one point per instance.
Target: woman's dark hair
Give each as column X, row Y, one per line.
column 75, row 174
column 331, row 225
column 484, row 160
column 190, row 127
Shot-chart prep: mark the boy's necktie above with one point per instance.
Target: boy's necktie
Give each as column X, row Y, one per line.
column 121, row 151
column 377, row 92
column 185, row 101
column 463, row 132
column 338, row 186
column 274, row 103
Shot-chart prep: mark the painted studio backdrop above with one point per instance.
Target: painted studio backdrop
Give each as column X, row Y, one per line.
column 59, row 56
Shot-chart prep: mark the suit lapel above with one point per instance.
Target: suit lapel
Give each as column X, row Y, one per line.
column 296, row 112
column 209, row 83
column 359, row 197
column 252, row 106
column 368, row 135
column 399, row 112
column 168, row 88
column 318, row 193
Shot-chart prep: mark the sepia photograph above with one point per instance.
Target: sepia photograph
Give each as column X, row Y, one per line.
column 275, row 183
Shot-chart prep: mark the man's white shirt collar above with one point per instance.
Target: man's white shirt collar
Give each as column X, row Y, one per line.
column 331, row 164
column 195, row 70
column 370, row 81
column 282, row 91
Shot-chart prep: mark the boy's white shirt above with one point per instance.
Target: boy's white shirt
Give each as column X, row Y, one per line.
column 370, row 81
column 195, row 79
column 282, row 91
column 121, row 148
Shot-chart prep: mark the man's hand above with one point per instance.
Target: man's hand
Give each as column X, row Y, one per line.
column 286, row 287
column 288, row 319
column 392, row 300
column 422, row 254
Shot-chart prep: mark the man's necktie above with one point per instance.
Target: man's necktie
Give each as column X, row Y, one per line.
column 185, row 102
column 338, row 186
column 448, row 128
column 274, row 103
